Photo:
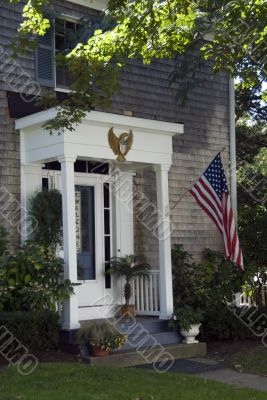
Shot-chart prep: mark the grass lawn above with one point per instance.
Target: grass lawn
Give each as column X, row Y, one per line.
column 75, row 381
column 253, row 360
column 248, row 355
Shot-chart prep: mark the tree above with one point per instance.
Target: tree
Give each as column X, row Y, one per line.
column 251, row 102
column 252, row 200
column 231, row 34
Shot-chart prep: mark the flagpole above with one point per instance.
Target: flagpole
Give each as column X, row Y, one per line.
column 188, row 190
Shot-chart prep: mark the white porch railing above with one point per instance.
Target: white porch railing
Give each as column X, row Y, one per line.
column 145, row 294
column 244, row 300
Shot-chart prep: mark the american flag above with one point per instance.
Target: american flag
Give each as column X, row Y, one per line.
column 212, row 194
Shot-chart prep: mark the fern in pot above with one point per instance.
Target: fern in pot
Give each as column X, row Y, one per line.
column 188, row 319
column 128, row 267
column 101, row 336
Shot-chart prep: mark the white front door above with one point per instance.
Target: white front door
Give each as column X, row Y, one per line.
column 104, row 211
column 93, row 237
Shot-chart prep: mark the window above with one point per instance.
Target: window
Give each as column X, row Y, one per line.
column 62, row 37
column 85, row 232
column 107, row 232
column 89, row 167
column 66, row 38
column 45, row 184
column 44, row 59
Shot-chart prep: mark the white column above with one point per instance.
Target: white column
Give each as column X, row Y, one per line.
column 69, row 242
column 164, row 233
column 124, row 202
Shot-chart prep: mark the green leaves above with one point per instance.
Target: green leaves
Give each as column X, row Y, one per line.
column 31, row 279
column 252, row 196
column 34, row 21
column 35, row 330
column 185, row 316
column 3, row 240
column 213, row 281
column 33, row 24
column 128, row 267
column 46, row 208
column 239, row 44
column 209, row 287
column 231, row 34
column 27, row 278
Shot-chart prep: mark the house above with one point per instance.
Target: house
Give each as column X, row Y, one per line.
column 110, row 207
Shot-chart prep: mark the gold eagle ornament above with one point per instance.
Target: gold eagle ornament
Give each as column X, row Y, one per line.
column 120, row 145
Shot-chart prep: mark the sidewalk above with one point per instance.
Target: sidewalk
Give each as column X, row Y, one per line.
column 242, row 380
column 216, row 371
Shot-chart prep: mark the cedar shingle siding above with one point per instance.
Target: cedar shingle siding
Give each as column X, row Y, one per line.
column 145, row 91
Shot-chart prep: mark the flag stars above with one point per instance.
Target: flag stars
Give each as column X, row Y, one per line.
column 215, row 176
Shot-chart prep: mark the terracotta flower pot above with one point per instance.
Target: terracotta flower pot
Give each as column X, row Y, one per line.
column 96, row 351
column 127, row 311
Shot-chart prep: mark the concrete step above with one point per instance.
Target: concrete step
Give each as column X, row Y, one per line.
column 152, row 325
column 143, row 332
column 162, row 358
column 141, row 340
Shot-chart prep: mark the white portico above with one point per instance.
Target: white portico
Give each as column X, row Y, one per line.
column 98, row 206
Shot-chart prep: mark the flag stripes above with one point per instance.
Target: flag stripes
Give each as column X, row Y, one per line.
column 212, row 194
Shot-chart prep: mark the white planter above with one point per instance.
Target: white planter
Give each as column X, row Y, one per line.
column 189, row 336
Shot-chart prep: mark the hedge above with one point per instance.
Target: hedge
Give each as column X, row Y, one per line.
column 234, row 323
column 37, row 330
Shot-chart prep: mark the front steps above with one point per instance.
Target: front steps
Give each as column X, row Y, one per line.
column 149, row 341
column 162, row 359
column 145, row 332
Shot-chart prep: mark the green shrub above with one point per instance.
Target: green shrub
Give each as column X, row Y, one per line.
column 209, row 286
column 223, row 323
column 30, row 280
column 185, row 316
column 206, row 284
column 3, row 240
column 46, row 208
column 183, row 270
column 37, row 330
column 216, row 280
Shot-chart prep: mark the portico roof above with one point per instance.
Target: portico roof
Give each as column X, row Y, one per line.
column 152, row 139
column 95, row 4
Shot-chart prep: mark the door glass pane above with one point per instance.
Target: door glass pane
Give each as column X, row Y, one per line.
column 107, row 264
column 85, row 231
column 107, row 233
column 107, row 222
column 106, row 195
column 45, row 184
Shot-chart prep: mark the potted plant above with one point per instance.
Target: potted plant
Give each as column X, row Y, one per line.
column 101, row 336
column 128, row 267
column 189, row 320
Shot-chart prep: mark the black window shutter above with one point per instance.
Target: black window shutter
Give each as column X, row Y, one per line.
column 45, row 59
